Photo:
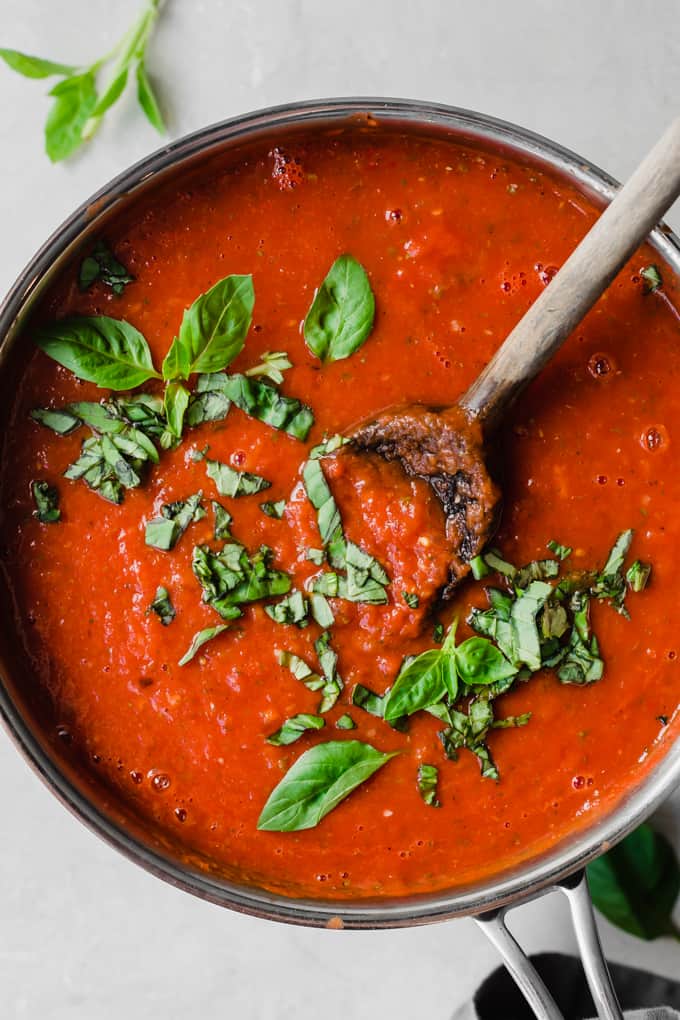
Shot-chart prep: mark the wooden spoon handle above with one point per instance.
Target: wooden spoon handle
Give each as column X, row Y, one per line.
column 588, row 271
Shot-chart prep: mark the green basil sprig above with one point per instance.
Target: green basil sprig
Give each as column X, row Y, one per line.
column 318, row 781
column 636, row 884
column 213, row 329
column 342, row 313
column 78, row 107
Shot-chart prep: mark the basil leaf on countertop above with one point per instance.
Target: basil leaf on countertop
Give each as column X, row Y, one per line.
column 146, row 97
column 428, row 778
column 201, row 638
column 46, row 499
column 213, row 329
column 294, row 728
column 162, row 606
column 98, row 349
column 636, row 884
column 101, row 264
column 230, row 482
column 318, row 781
column 342, row 313
column 34, row 67
column 75, row 99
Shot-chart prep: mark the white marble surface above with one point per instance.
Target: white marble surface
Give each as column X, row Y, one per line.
column 83, row 933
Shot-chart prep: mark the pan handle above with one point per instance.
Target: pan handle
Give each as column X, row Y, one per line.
column 575, row 888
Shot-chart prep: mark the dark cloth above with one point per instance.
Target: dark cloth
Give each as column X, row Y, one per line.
column 498, row 998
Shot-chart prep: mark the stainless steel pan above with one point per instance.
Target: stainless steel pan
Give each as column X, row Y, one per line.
column 488, row 901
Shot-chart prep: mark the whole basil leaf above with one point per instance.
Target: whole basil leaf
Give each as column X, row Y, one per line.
column 147, row 99
column 420, row 684
column 478, row 661
column 33, row 67
column 108, row 352
column 74, row 101
column 176, row 403
column 213, row 329
column 342, row 313
column 636, row 884
column 318, row 781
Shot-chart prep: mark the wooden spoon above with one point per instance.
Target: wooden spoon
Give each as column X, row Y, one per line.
column 448, row 447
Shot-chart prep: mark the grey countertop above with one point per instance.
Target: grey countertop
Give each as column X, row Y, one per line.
column 83, row 933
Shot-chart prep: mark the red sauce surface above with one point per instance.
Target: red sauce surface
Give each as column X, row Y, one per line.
column 457, row 244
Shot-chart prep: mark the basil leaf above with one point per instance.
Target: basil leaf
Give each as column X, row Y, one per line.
column 479, row 568
column 470, row 731
column 328, row 515
column 582, row 663
column 374, row 704
column 74, row 101
column 636, row 884
column 200, row 639
column 294, row 728
column 272, row 366
column 420, row 684
column 365, row 580
column 231, row 577
column 162, row 606
column 101, row 264
column 495, row 561
column 264, row 402
column 316, row 556
column 105, row 351
column 561, row 551
column 652, row 277
column 165, row 531
column 478, row 661
column 109, row 97
column 176, row 404
column 213, row 329
column 230, row 482
column 222, row 521
column 428, row 777
column 618, row 553
column 59, row 420
column 438, row 633
column 345, row 722
column 147, row 99
column 523, row 623
column 329, row 445
column 327, row 583
column 328, row 660
column 321, row 610
column 207, row 405
column 46, row 500
column 318, row 781
column 293, row 609
column 301, row 671
column 537, row 570
column 342, row 313
column 33, row 67
column 411, row 599
column 274, row 510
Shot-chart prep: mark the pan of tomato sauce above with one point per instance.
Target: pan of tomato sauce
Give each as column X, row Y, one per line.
column 210, row 611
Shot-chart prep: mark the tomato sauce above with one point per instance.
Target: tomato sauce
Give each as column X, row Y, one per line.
column 457, row 244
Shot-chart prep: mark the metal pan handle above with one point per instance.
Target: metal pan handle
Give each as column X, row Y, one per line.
column 534, row 989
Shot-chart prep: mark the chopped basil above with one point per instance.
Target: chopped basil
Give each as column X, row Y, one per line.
column 108, row 352
column 374, row 704
column 582, row 663
column 59, row 420
column 610, row 582
column 46, row 500
column 165, row 531
column 365, row 579
column 329, row 444
column 411, row 599
column 438, row 633
column 231, row 577
column 274, row 510
column 301, row 671
column 479, row 570
column 110, row 464
column 328, row 515
column 327, row 583
column 318, row 781
column 230, row 482
column 537, row 570
column 428, row 777
column 652, row 277
column 162, row 606
column 328, row 660
column 561, row 551
column 342, row 313
column 637, row 575
column 316, row 556
column 495, row 561
column 213, row 329
column 176, row 404
column 294, row 728
column 470, row 731
column 272, row 366
column 261, row 401
column 101, row 264
column 200, row 639
column 321, row 610
column 222, row 521
column 345, row 722
column 206, row 405
column 293, row 609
